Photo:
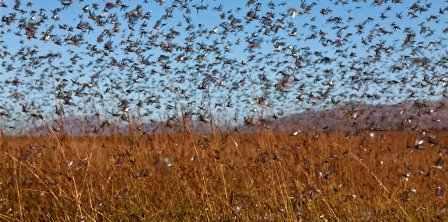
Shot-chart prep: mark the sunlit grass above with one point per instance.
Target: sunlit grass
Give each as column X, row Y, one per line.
column 260, row 176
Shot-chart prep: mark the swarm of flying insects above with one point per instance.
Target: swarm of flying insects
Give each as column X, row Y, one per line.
column 158, row 60
column 250, row 110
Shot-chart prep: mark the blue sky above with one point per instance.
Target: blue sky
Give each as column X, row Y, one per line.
column 39, row 87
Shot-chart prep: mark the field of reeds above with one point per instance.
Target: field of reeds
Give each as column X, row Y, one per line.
column 229, row 176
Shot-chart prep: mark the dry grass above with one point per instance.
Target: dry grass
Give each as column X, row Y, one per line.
column 223, row 177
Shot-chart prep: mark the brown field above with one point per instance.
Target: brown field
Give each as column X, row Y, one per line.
column 224, row 177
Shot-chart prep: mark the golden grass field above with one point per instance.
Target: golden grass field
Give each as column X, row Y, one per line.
column 232, row 176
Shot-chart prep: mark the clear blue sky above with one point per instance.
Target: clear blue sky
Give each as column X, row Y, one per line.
column 38, row 88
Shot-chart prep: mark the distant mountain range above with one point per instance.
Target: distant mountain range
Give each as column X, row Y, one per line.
column 410, row 115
